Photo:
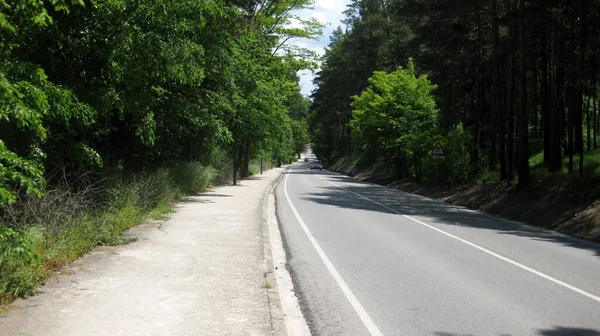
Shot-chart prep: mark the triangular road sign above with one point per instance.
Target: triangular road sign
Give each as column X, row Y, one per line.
column 438, row 150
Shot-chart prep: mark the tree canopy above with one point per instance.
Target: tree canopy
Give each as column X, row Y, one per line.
column 133, row 85
column 517, row 77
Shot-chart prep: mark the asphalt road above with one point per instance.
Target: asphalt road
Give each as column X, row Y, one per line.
column 368, row 260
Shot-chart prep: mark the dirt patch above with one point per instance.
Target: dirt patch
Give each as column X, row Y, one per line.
column 568, row 211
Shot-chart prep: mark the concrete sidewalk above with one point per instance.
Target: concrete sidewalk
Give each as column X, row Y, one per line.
column 203, row 272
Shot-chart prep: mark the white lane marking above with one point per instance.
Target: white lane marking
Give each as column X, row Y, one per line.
column 483, row 249
column 362, row 313
column 512, row 222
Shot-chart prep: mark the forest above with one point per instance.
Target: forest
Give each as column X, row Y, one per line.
column 508, row 87
column 110, row 110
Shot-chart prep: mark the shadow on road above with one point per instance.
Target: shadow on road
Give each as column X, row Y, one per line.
column 562, row 331
column 557, row 331
column 437, row 212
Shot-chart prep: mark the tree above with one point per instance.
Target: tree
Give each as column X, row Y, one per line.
column 505, row 70
column 396, row 117
column 133, row 86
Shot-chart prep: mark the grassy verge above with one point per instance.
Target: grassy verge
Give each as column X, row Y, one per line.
column 254, row 166
column 562, row 179
column 540, row 176
column 39, row 235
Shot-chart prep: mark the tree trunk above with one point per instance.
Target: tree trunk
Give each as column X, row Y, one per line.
column 499, row 129
column 589, row 131
column 593, row 95
column 510, row 114
column 279, row 151
column 510, row 142
column 523, row 121
column 555, row 130
column 570, row 124
column 595, row 114
column 246, row 168
column 546, row 102
column 234, row 158
column 580, row 81
column 479, row 93
column 534, row 99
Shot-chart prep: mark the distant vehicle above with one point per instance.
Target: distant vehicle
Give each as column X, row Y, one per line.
column 306, row 160
column 316, row 165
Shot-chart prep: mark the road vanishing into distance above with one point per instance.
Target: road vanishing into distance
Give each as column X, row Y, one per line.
column 368, row 260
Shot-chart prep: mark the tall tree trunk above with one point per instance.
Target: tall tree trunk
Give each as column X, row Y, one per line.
column 594, row 93
column 246, row 168
column 523, row 121
column 570, row 124
column 234, row 159
column 499, row 130
column 546, row 100
column 510, row 99
column 589, row 131
column 580, row 81
column 556, row 130
column 534, row 99
column 279, row 150
column 479, row 91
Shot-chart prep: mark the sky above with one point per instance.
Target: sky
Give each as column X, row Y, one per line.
column 329, row 12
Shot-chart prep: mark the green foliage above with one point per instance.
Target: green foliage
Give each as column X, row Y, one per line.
column 563, row 178
column 16, row 174
column 299, row 135
column 16, row 258
column 141, row 85
column 455, row 167
column 192, row 177
column 396, row 117
column 122, row 107
column 494, row 65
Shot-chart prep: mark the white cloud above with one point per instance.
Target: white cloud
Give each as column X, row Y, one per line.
column 332, row 5
column 329, row 12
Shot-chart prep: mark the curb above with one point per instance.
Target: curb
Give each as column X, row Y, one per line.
column 272, row 291
column 286, row 315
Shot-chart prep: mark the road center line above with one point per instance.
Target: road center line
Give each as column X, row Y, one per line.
column 362, row 313
column 483, row 249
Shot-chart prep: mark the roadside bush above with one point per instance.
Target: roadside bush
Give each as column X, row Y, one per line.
column 455, row 168
column 223, row 168
column 16, row 262
column 153, row 188
column 395, row 117
column 192, row 177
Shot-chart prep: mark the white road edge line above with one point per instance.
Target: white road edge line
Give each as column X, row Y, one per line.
column 362, row 313
column 483, row 249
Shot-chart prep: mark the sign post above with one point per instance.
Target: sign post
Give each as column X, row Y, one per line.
column 437, row 153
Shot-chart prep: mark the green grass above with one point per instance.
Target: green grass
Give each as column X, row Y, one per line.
column 536, row 160
column 44, row 234
column 565, row 179
column 559, row 179
column 254, row 166
column 489, row 176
